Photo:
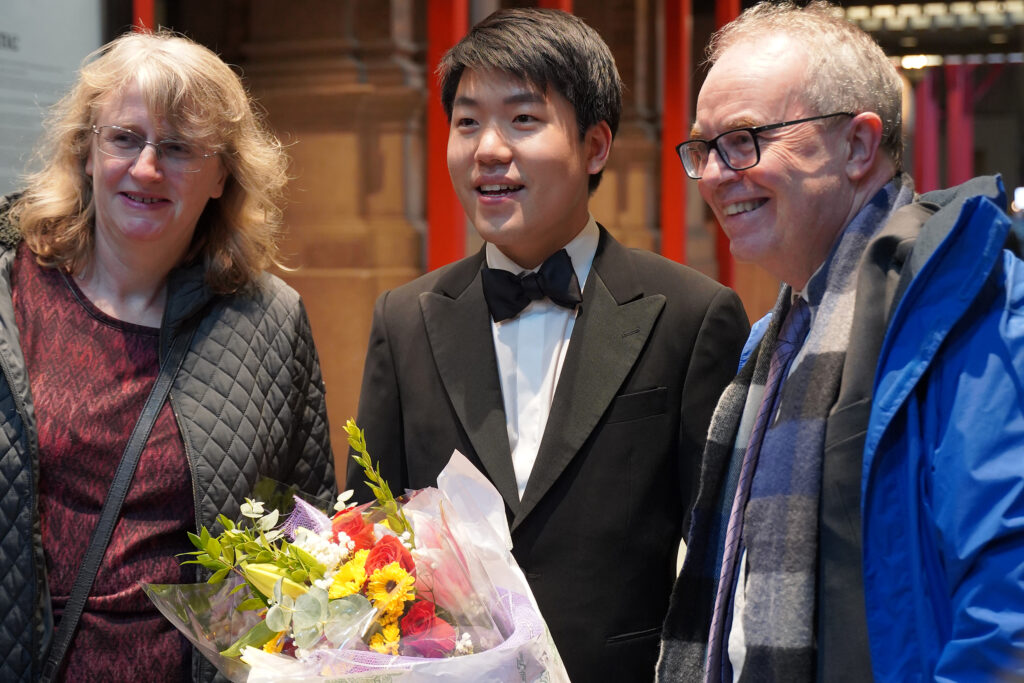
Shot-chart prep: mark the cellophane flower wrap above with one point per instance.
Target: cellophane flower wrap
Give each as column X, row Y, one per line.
column 422, row 588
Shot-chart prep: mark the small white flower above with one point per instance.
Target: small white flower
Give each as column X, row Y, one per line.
column 325, row 583
column 464, row 645
column 253, row 509
column 345, row 542
column 343, row 498
column 321, row 547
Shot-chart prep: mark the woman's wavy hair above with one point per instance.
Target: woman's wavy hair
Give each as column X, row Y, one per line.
column 200, row 98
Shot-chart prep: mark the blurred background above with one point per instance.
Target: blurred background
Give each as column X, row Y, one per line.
column 348, row 86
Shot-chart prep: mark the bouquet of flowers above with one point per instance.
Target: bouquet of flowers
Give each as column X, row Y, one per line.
column 415, row 588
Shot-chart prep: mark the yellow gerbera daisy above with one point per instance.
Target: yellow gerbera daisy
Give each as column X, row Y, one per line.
column 379, row 644
column 350, row 577
column 386, row 642
column 390, row 588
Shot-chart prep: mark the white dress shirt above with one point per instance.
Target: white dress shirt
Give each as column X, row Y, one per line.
column 531, row 349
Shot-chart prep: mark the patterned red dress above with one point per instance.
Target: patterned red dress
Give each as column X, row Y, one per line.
column 90, row 375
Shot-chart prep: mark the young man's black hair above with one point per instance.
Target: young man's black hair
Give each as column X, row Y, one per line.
column 545, row 48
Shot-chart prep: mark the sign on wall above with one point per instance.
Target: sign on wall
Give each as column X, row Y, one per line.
column 42, row 44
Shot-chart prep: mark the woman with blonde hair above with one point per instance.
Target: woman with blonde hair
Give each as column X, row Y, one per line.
column 139, row 332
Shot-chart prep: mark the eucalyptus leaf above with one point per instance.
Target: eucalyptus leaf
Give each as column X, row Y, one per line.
column 309, row 611
column 346, row 618
column 320, row 595
column 307, row 637
column 277, row 618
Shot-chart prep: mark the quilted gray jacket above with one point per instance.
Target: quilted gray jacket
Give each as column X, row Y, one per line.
column 249, row 402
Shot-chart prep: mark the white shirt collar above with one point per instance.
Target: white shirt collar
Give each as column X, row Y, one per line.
column 581, row 250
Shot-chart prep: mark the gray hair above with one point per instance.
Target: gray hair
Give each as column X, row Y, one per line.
column 846, row 69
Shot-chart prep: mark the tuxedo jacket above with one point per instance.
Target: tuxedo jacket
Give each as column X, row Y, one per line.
column 598, row 527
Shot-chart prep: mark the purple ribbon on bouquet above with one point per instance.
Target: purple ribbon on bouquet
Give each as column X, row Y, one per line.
column 305, row 515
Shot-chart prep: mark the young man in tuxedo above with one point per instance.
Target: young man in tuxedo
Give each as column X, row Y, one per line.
column 577, row 374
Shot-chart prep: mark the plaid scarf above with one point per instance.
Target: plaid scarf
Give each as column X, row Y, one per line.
column 780, row 531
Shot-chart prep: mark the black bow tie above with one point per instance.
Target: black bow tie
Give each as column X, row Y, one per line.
column 508, row 294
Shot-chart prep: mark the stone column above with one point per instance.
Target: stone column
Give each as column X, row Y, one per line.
column 342, row 82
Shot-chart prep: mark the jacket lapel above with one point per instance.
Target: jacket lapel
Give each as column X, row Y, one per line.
column 459, row 330
column 613, row 326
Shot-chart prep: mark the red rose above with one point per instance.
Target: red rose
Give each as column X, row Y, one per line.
column 350, row 522
column 387, row 550
column 424, row 634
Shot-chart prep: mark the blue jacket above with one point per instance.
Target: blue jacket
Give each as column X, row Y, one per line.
column 942, row 487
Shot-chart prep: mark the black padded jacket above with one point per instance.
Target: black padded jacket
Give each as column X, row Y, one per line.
column 249, row 403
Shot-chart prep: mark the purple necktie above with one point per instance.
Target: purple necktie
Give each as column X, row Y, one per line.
column 791, row 337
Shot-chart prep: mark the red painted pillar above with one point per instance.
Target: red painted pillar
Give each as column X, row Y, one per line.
column 143, row 14
column 675, row 127
column 725, row 11
column 959, row 124
column 564, row 5
column 447, row 22
column 926, row 133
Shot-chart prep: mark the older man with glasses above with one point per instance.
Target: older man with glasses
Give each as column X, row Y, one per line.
column 861, row 513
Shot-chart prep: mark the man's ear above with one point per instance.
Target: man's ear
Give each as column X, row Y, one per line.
column 598, row 143
column 865, row 138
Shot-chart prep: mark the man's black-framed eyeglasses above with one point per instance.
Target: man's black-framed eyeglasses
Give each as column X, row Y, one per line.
column 737, row 148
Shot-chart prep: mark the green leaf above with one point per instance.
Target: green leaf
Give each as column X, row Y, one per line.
column 212, row 565
column 196, row 541
column 219, row 575
column 381, row 490
column 213, row 547
column 204, row 536
column 250, row 604
column 229, row 555
column 258, row 636
column 308, row 561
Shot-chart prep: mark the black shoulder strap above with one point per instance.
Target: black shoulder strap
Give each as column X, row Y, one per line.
column 112, row 505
